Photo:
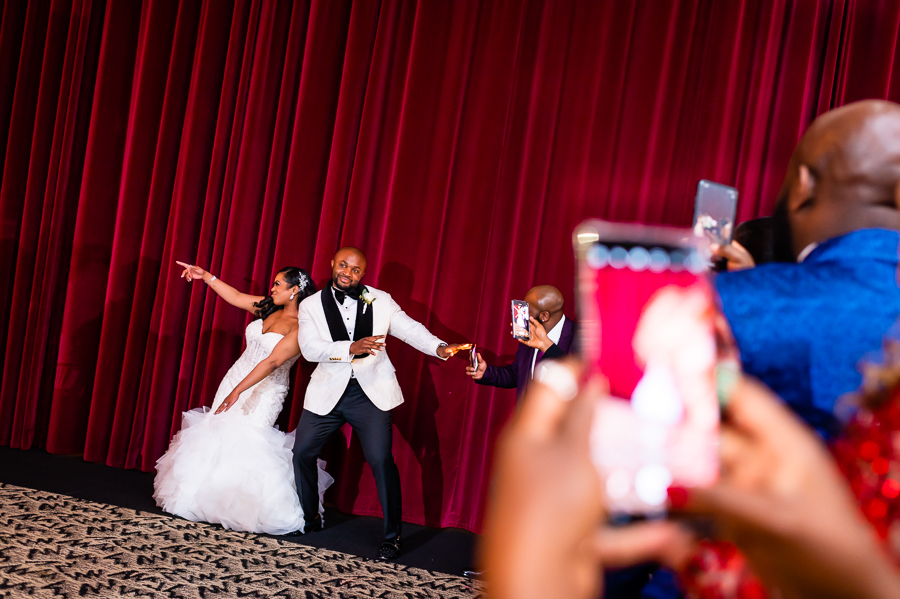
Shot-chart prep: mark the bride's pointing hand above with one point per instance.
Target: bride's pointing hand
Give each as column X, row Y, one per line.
column 190, row 272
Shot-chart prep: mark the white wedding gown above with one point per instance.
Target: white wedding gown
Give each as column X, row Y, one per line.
column 235, row 468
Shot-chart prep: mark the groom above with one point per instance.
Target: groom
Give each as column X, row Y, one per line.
column 343, row 328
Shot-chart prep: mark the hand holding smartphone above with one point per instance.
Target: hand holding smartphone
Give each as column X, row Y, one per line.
column 714, row 212
column 520, row 323
column 647, row 325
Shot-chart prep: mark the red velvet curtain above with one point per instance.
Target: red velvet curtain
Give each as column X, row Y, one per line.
column 457, row 143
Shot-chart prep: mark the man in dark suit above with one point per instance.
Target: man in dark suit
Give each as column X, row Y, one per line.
column 552, row 336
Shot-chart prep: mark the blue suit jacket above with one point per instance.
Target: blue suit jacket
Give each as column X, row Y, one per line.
column 518, row 373
column 803, row 328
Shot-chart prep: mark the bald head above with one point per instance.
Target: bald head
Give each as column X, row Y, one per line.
column 348, row 268
column 845, row 174
column 349, row 250
column 545, row 303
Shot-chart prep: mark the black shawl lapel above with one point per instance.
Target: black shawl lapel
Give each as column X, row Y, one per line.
column 333, row 316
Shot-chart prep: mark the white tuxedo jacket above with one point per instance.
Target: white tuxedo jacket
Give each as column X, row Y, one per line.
column 374, row 373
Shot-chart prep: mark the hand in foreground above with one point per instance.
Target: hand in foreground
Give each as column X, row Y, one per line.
column 538, row 338
column 479, row 372
column 191, row 272
column 226, row 404
column 447, row 351
column 367, row 345
column 783, row 502
column 544, row 537
column 737, row 257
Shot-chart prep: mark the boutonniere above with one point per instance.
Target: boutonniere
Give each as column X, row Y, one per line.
column 368, row 298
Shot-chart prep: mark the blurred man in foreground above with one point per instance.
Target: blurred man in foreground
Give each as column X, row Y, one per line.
column 802, row 327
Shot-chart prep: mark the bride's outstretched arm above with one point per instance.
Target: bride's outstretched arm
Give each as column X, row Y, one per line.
column 286, row 349
column 228, row 293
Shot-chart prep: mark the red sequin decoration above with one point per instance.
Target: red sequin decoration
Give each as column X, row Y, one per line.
column 890, row 488
column 868, row 450
column 718, row 570
column 868, row 454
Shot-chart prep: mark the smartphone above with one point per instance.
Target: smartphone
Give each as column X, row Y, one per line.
column 473, row 356
column 520, row 322
column 647, row 325
column 714, row 211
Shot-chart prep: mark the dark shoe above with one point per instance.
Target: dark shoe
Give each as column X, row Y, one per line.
column 389, row 550
column 473, row 574
column 314, row 526
column 293, row 533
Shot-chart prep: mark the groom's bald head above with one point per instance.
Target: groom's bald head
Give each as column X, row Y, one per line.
column 349, row 251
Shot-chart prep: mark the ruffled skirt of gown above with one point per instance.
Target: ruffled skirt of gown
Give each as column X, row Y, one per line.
column 228, row 470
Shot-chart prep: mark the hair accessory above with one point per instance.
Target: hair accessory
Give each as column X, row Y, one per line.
column 304, row 280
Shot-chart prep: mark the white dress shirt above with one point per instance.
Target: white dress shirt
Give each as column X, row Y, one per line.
column 554, row 334
column 348, row 315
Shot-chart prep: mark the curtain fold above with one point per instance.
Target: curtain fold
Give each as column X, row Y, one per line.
column 457, row 143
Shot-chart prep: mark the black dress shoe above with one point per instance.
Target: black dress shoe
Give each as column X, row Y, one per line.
column 314, row 526
column 389, row 550
column 473, row 574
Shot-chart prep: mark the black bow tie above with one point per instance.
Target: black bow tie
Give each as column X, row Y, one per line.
column 352, row 293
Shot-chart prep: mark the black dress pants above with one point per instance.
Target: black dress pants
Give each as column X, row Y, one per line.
column 373, row 427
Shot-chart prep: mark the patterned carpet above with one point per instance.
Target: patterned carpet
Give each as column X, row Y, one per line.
column 57, row 546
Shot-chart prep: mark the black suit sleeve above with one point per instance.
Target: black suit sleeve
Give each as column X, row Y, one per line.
column 505, row 377
column 553, row 352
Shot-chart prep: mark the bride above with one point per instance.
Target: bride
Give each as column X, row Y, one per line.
column 228, row 464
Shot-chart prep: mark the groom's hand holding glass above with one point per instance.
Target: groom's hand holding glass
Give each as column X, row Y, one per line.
column 448, row 351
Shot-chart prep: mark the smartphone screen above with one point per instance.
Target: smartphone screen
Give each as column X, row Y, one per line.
column 520, row 322
column 714, row 211
column 647, row 326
